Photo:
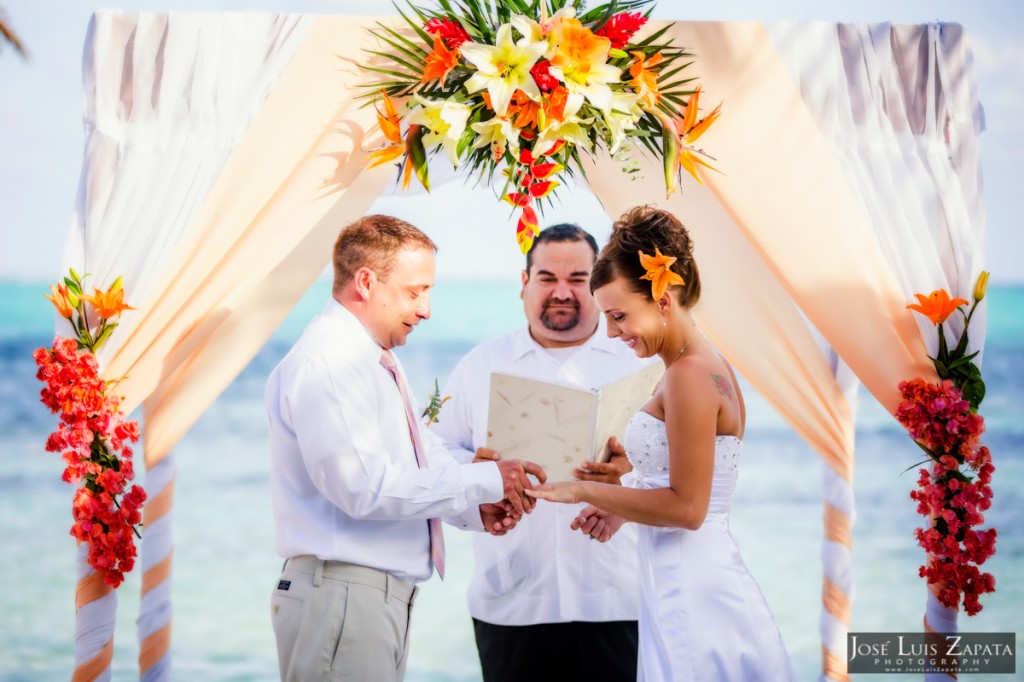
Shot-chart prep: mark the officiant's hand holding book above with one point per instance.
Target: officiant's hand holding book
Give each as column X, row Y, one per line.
column 611, row 471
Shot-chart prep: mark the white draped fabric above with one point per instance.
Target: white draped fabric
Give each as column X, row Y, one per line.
column 167, row 98
column 906, row 132
column 172, row 101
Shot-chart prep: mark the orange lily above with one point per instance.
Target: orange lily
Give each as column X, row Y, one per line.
column 936, row 306
column 659, row 272
column 439, row 62
column 108, row 304
column 579, row 48
column 645, row 79
column 389, row 125
column 61, row 299
column 522, row 110
column 554, row 103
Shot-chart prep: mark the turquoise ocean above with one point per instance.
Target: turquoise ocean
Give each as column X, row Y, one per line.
column 225, row 563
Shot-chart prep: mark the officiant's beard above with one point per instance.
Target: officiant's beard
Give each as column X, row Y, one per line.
column 563, row 320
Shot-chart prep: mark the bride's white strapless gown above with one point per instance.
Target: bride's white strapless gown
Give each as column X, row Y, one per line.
column 702, row 615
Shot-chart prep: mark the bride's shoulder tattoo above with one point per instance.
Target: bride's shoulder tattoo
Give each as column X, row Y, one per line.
column 723, row 384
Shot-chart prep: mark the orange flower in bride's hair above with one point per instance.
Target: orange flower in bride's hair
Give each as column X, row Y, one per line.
column 439, row 62
column 108, row 304
column 936, row 306
column 659, row 271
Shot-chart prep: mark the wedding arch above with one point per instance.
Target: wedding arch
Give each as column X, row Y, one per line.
column 224, row 151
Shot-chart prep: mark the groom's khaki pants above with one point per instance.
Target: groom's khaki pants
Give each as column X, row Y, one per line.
column 339, row 621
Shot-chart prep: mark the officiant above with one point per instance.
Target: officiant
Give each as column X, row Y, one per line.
column 546, row 602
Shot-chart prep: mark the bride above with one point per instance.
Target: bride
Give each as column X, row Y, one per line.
column 702, row 615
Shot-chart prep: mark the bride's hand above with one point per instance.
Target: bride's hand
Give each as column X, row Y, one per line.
column 567, row 492
column 597, row 524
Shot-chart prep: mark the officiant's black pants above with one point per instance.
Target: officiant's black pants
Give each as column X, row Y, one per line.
column 557, row 652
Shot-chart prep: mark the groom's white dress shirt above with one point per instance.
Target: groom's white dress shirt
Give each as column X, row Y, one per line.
column 344, row 480
column 541, row 572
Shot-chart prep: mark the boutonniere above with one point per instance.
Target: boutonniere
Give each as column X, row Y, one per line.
column 433, row 408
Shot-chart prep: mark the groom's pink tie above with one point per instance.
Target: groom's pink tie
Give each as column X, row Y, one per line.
column 433, row 525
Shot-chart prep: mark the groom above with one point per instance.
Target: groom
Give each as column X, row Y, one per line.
column 357, row 484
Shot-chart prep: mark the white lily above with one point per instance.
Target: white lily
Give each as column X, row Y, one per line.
column 537, row 31
column 504, row 67
column 497, row 132
column 623, row 116
column 445, row 121
column 571, row 130
column 591, row 85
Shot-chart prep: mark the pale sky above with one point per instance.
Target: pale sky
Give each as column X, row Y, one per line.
column 41, row 125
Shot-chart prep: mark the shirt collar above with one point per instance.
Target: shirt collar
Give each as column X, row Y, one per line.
column 524, row 343
column 359, row 335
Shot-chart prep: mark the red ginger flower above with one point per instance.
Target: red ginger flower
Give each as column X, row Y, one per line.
column 621, row 27
column 451, row 32
column 541, row 72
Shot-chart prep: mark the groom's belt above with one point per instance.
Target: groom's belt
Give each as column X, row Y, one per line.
column 353, row 573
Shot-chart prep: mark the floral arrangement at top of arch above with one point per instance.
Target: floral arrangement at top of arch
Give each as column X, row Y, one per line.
column 531, row 84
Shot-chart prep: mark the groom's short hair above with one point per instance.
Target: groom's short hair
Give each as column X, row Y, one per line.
column 372, row 241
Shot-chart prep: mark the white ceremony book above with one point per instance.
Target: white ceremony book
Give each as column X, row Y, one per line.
column 558, row 425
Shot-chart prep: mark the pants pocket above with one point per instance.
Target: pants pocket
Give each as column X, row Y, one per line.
column 286, row 617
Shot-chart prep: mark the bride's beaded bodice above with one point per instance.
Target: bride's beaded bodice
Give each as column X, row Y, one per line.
column 646, row 446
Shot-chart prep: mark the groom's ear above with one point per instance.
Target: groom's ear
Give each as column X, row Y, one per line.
column 363, row 282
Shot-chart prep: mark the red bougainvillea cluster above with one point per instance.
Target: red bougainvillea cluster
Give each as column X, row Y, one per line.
column 940, row 420
column 93, row 438
column 953, row 494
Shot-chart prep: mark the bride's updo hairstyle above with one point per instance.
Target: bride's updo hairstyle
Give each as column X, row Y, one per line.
column 645, row 228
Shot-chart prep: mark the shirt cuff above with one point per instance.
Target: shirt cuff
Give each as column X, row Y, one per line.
column 483, row 483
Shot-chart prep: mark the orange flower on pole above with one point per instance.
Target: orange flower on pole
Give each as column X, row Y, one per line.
column 659, row 272
column 108, row 304
column 439, row 62
column 645, row 79
column 936, row 306
column 61, row 299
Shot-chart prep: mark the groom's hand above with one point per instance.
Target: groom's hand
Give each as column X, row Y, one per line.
column 514, row 482
column 498, row 518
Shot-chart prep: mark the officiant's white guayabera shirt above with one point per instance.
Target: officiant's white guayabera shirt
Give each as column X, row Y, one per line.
column 343, row 475
column 541, row 572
